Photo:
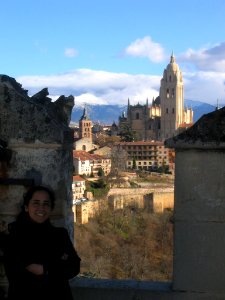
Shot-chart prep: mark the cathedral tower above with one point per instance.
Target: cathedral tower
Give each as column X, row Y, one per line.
column 166, row 116
column 172, row 100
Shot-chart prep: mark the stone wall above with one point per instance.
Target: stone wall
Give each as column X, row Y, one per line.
column 35, row 148
column 153, row 201
column 163, row 201
column 36, row 133
column 199, row 211
column 88, row 209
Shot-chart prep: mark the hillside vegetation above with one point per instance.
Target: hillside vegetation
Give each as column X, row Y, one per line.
column 126, row 244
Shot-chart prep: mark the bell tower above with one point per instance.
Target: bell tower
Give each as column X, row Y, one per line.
column 85, row 124
column 172, row 100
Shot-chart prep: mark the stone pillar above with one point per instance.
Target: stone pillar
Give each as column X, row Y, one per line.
column 199, row 211
column 36, row 147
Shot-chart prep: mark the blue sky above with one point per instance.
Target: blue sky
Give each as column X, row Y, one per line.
column 106, row 51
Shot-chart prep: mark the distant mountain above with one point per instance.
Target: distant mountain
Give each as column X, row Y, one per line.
column 199, row 108
column 107, row 114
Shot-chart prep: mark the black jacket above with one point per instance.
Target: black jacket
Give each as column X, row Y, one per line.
column 28, row 243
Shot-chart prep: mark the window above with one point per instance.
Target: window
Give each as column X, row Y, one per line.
column 167, row 93
column 172, row 92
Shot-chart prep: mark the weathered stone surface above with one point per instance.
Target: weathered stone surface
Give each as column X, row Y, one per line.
column 199, row 208
column 29, row 119
column 199, row 262
column 200, row 185
column 35, row 146
column 207, row 132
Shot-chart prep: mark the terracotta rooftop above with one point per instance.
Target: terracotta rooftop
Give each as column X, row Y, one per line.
column 83, row 155
column 78, row 178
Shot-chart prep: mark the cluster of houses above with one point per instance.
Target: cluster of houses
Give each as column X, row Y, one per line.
column 91, row 160
column 152, row 124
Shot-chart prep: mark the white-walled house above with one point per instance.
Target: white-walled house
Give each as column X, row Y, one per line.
column 87, row 164
column 78, row 187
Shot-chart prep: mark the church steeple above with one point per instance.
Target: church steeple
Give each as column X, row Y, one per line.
column 84, row 116
column 85, row 126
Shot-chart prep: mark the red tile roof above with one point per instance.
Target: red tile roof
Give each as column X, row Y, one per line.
column 83, row 155
column 78, row 178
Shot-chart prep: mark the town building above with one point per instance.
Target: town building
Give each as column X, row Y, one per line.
column 166, row 116
column 146, row 155
column 84, row 140
column 78, row 187
column 90, row 164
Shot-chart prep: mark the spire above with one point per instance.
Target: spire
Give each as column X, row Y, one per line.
column 172, row 58
column 147, row 102
column 128, row 102
column 84, row 116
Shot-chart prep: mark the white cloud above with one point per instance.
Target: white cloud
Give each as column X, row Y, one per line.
column 92, row 86
column 205, row 86
column 89, row 99
column 145, row 47
column 207, row 58
column 70, row 52
column 203, row 74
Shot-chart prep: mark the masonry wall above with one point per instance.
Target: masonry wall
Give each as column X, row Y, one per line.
column 45, row 164
column 200, row 221
column 163, row 201
column 156, row 202
column 36, row 147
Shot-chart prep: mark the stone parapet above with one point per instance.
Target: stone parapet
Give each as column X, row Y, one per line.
column 199, row 209
column 87, row 289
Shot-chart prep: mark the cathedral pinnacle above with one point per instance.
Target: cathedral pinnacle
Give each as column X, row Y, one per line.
column 172, row 58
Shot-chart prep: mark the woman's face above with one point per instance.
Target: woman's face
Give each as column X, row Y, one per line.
column 39, row 207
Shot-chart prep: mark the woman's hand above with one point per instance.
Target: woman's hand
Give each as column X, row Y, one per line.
column 36, row 269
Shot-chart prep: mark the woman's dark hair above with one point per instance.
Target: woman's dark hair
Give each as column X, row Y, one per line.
column 29, row 194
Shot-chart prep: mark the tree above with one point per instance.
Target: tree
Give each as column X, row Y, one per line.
column 134, row 166
column 127, row 134
column 100, row 172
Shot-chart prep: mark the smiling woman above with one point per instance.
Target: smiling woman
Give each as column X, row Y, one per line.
column 38, row 256
column 39, row 206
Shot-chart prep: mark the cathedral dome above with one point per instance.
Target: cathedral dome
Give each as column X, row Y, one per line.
column 172, row 66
